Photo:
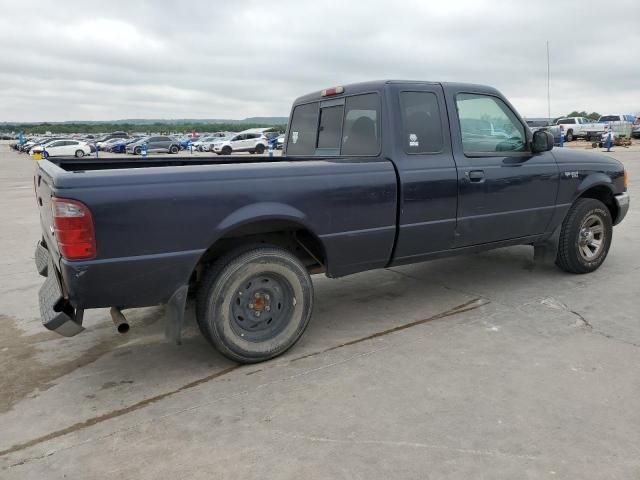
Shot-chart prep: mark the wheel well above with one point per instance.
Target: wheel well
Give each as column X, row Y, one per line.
column 292, row 236
column 605, row 195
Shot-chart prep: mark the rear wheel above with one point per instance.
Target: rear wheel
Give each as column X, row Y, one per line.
column 79, row 153
column 585, row 236
column 260, row 149
column 255, row 303
column 569, row 136
column 226, row 150
column 173, row 149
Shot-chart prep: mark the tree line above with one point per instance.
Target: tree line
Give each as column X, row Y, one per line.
column 592, row 115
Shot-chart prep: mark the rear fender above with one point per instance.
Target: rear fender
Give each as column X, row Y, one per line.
column 258, row 212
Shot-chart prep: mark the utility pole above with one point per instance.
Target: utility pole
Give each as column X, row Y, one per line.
column 548, row 84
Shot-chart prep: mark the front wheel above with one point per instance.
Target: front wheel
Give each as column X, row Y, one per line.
column 255, row 303
column 569, row 136
column 226, row 150
column 137, row 151
column 260, row 149
column 585, row 236
column 173, row 149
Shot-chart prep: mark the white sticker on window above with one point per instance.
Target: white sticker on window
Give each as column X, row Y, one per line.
column 294, row 137
column 413, row 140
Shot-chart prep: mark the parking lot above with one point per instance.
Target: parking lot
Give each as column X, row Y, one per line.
column 487, row 362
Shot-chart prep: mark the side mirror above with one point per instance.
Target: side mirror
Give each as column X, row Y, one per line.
column 542, row 141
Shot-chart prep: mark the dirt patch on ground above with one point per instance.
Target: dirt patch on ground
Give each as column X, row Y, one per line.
column 21, row 371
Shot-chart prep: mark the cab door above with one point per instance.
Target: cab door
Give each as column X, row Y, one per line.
column 426, row 169
column 504, row 190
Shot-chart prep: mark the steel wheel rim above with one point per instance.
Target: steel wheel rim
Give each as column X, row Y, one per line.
column 262, row 307
column 591, row 237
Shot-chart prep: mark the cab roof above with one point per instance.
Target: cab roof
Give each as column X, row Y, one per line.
column 378, row 86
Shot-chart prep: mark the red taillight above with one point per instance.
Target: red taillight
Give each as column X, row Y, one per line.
column 332, row 91
column 73, row 227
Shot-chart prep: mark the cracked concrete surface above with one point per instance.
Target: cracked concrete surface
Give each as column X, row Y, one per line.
column 487, row 365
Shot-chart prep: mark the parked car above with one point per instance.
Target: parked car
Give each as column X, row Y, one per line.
column 203, row 143
column 109, row 136
column 635, row 131
column 372, row 175
column 61, row 148
column 186, row 141
column 108, row 144
column 119, row 145
column 154, row 144
column 573, row 127
column 545, row 125
column 242, row 142
column 280, row 142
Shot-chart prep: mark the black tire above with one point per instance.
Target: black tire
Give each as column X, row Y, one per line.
column 577, row 237
column 260, row 149
column 137, row 151
column 173, row 149
column 236, row 327
column 226, row 150
column 569, row 136
column 79, row 153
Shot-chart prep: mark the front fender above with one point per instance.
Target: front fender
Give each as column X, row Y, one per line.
column 597, row 179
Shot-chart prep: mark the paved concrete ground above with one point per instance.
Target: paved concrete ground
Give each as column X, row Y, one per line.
column 483, row 366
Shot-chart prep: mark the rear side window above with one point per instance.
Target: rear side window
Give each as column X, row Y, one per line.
column 566, row 121
column 302, row 132
column 421, row 124
column 330, row 128
column 361, row 125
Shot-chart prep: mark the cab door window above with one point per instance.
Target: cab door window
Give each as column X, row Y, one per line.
column 488, row 125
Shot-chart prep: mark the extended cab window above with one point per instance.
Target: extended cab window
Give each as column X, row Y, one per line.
column 302, row 132
column 421, row 125
column 488, row 125
column 360, row 134
column 330, row 127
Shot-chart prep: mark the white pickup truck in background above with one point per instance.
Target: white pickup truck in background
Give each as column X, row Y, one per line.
column 620, row 125
column 573, row 127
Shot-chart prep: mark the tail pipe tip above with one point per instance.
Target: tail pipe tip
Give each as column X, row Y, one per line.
column 119, row 320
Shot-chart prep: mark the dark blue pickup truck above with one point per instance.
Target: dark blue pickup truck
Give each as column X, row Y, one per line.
column 372, row 175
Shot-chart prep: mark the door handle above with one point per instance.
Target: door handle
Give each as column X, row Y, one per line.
column 476, row 176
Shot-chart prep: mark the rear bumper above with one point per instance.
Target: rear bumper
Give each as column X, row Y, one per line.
column 56, row 312
column 622, row 201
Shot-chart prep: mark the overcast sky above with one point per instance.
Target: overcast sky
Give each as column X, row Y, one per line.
column 83, row 60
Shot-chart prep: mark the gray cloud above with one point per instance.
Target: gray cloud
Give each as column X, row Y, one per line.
column 224, row 59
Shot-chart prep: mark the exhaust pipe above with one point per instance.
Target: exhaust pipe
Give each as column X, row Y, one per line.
column 119, row 320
